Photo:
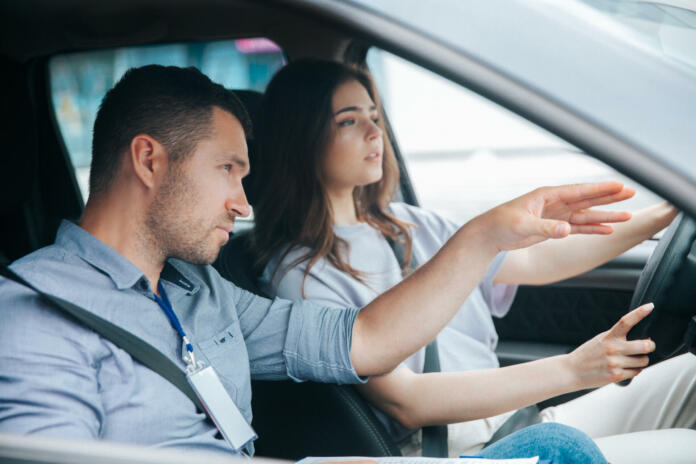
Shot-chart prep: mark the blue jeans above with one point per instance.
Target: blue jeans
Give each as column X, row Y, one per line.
column 556, row 442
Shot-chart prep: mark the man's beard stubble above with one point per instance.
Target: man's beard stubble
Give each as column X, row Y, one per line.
column 172, row 226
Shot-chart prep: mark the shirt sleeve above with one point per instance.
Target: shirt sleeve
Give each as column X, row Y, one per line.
column 48, row 383
column 498, row 297
column 297, row 339
column 327, row 286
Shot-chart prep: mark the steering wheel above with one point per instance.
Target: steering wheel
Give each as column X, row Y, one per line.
column 669, row 280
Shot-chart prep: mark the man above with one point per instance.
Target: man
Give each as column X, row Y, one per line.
column 169, row 153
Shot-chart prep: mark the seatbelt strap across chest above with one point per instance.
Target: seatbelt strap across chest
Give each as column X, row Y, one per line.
column 434, row 436
column 137, row 348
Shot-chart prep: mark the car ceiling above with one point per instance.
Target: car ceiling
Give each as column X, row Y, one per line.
column 36, row 28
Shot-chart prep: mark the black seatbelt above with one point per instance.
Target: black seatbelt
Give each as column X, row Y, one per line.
column 138, row 349
column 434, row 436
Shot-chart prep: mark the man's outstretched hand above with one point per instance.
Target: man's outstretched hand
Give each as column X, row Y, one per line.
column 555, row 212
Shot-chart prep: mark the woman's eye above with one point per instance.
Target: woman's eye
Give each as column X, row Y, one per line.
column 347, row 122
column 375, row 120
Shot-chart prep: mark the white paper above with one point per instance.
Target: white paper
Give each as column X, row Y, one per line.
column 420, row 460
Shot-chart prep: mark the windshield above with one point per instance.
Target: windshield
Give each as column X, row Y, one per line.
column 666, row 27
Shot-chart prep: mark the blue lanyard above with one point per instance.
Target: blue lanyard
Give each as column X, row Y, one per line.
column 167, row 307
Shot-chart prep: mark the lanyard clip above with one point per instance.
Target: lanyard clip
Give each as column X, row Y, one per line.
column 189, row 358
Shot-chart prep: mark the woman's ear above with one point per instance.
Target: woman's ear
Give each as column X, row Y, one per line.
column 147, row 159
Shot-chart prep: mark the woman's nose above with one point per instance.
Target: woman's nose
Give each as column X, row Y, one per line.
column 374, row 131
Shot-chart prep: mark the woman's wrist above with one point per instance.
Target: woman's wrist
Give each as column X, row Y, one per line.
column 649, row 221
column 663, row 214
column 568, row 374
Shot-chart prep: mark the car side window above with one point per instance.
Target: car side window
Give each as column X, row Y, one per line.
column 80, row 80
column 466, row 154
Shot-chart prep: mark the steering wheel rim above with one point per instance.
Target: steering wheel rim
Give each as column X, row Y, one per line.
column 669, row 281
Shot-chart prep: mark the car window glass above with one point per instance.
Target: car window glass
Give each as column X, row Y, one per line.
column 628, row 73
column 80, row 80
column 466, row 154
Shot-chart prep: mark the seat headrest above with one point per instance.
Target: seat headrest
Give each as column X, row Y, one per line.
column 251, row 99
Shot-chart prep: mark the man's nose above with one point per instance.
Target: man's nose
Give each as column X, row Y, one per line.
column 237, row 203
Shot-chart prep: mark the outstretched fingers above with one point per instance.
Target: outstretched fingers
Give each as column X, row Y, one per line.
column 590, row 216
column 581, row 192
column 587, row 229
column 578, row 192
column 630, row 319
column 624, row 193
column 549, row 228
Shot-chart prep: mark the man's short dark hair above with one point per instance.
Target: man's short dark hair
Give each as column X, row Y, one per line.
column 173, row 105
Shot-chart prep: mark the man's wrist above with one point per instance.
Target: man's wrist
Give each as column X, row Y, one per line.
column 479, row 234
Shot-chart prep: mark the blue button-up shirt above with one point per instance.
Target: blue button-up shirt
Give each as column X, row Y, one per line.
column 61, row 379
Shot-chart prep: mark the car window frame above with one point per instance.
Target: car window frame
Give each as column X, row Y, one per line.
column 465, row 70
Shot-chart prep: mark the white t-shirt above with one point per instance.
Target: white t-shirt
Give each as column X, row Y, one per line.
column 467, row 342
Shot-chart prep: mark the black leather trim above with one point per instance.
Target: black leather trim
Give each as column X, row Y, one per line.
column 294, row 420
column 568, row 316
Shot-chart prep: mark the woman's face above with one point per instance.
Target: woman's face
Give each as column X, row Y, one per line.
column 354, row 154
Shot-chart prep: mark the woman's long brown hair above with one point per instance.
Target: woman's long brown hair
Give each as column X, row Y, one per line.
column 292, row 208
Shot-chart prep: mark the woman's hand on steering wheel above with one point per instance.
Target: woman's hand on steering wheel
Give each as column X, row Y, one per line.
column 609, row 357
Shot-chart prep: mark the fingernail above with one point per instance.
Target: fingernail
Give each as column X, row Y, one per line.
column 648, row 307
column 560, row 229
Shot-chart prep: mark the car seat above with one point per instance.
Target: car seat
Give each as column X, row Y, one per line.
column 36, row 181
column 294, row 420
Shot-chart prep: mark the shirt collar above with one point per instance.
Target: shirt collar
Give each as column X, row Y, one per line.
column 122, row 272
column 177, row 273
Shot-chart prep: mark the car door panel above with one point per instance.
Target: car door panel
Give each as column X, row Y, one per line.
column 553, row 319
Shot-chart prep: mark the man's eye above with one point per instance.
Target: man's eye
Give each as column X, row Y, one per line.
column 347, row 122
column 227, row 167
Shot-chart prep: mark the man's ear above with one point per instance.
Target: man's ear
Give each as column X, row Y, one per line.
column 148, row 159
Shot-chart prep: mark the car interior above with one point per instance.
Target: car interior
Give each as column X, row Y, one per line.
column 39, row 188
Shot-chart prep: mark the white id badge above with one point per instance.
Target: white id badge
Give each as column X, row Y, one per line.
column 220, row 407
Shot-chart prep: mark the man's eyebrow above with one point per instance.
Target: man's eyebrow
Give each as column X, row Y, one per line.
column 354, row 108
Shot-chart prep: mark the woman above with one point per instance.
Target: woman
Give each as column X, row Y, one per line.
column 320, row 130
